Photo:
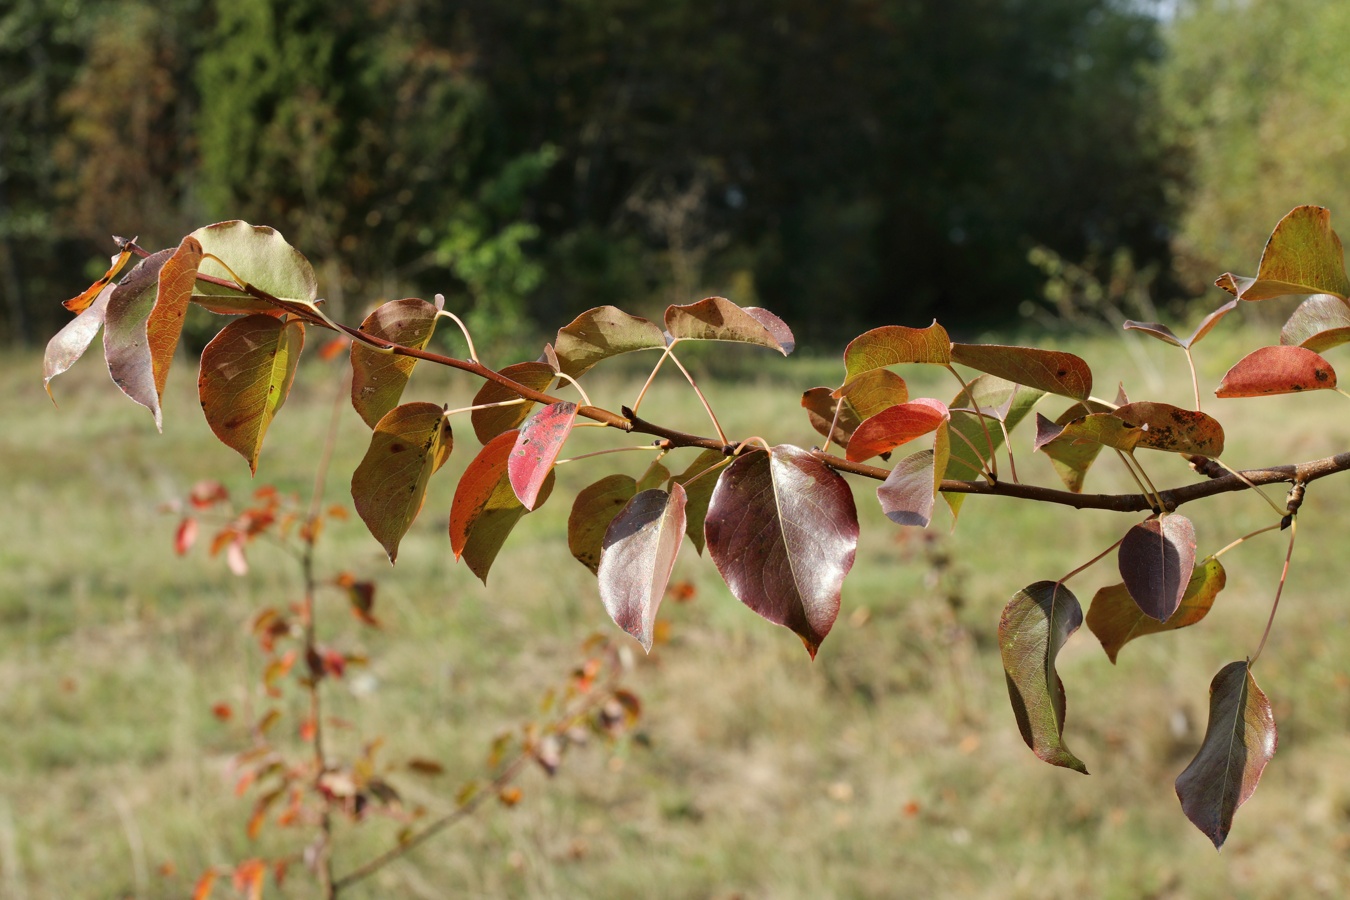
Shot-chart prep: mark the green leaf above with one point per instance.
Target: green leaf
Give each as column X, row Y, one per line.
column 1277, row 370
column 485, row 508
column 655, row 476
column 637, row 558
column 1303, row 256
column 69, row 344
column 1320, row 323
column 488, row 423
column 125, row 344
column 1036, row 623
column 1116, row 619
column 1156, row 560
column 1071, row 458
column 246, row 374
column 537, row 445
column 1240, row 739
column 1173, row 429
column 261, row 257
column 699, row 494
column 1104, row 429
column 378, row 379
column 597, row 334
column 782, row 530
column 1052, row 371
column 409, row 443
column 895, row 426
column 594, row 508
column 997, row 398
column 718, row 319
column 893, row 345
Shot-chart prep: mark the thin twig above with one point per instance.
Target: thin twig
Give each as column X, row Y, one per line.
column 1090, row 563
column 1284, row 574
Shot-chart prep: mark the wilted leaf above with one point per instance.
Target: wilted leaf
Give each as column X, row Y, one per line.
column 378, row 379
column 261, row 257
column 246, row 373
column 1277, row 370
column 1239, row 740
column 600, row 333
column 718, row 319
column 592, row 511
column 1036, row 623
column 85, row 299
column 782, row 530
column 1052, row 371
column 1116, row 619
column 699, row 493
column 485, row 508
column 1302, row 256
column 1171, row 428
column 488, row 423
column 69, row 344
column 408, row 445
column 893, row 345
column 895, row 426
column 124, row 336
column 637, row 558
column 537, row 446
column 1320, row 323
column 1156, row 560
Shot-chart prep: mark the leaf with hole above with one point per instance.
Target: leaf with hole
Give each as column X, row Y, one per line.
column 488, row 423
column 1156, row 560
column 1052, row 371
column 485, row 508
column 718, row 319
column 1277, row 370
column 408, row 445
column 895, row 426
column 378, row 379
column 637, row 558
column 597, row 334
column 125, row 344
column 699, row 494
column 892, row 345
column 1116, row 619
column 1302, row 256
column 69, row 344
column 593, row 509
column 782, row 530
column 1240, row 739
column 537, row 446
column 1320, row 323
column 1035, row 625
column 259, row 256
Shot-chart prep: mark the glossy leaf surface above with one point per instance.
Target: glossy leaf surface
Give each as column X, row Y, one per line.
column 699, row 494
column 1302, row 256
column 378, row 379
column 1116, row 619
column 895, row 426
column 1173, row 429
column 488, row 423
column 125, row 344
column 1036, row 623
column 893, row 345
column 1156, row 560
column 408, row 445
column 1052, row 371
column 637, row 558
column 69, row 344
column 593, row 509
column 485, row 508
column 1320, row 323
column 537, row 445
column 782, row 530
column 597, row 334
column 1277, row 370
column 718, row 319
column 1240, row 739
column 261, row 257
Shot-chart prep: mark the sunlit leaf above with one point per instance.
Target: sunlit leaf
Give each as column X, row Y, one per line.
column 485, row 508
column 1052, row 371
column 1320, row 323
column 85, row 299
column 1173, row 429
column 246, row 374
column 718, row 319
column 1116, row 619
column 389, row 486
column 1240, row 739
column 1209, row 321
column 1277, row 370
column 594, row 508
column 378, row 379
column 488, row 423
column 895, row 426
column 1104, row 429
column 782, row 530
column 537, row 445
column 1156, row 560
column 600, row 333
column 909, row 492
column 699, row 494
column 1302, row 256
column 69, row 344
column 1036, row 623
column 637, row 558
column 1071, row 458
column 859, row 398
column 125, row 344
column 261, row 257
column 1154, row 329
column 165, row 325
column 893, row 345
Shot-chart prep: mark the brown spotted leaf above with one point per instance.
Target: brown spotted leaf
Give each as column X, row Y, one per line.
column 1240, row 739
column 246, row 374
column 1302, row 256
column 594, row 508
column 165, row 325
column 894, row 426
column 1116, row 619
column 718, row 319
column 378, row 379
column 1171, row 428
column 409, row 443
column 699, row 494
column 485, row 508
column 893, row 345
column 1036, row 623
column 1277, row 370
column 488, row 423
column 125, row 344
column 69, row 344
column 597, row 334
column 637, row 558
column 782, row 530
column 1320, row 323
column 1157, row 558
column 1052, row 371
column 537, row 445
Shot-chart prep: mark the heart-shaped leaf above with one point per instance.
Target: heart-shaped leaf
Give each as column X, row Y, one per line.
column 488, row 423
column 699, row 494
column 1156, row 560
column 1240, row 739
column 69, row 344
column 637, row 558
column 1036, row 623
column 1277, row 370
column 378, row 379
column 485, row 508
column 259, row 256
column 892, row 345
column 1302, row 256
column 1320, row 323
column 409, row 443
column 85, row 299
column 1173, row 429
column 165, row 326
column 597, row 334
column 246, row 374
column 894, row 426
column 125, row 344
column 1052, row 371
column 718, row 319
column 537, row 446
column 592, row 511
column 1116, row 619
column 782, row 530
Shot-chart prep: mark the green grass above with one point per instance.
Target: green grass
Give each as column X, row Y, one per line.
column 889, row 767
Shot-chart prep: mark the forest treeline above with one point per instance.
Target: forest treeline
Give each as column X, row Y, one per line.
column 843, row 163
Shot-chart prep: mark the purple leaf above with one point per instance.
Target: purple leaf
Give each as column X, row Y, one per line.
column 537, row 446
column 1156, row 559
column 637, row 558
column 1116, row 619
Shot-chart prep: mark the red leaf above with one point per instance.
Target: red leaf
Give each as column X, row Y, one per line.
column 485, row 508
column 892, row 427
column 185, row 536
column 537, row 446
column 205, row 885
column 637, row 558
column 1277, row 370
column 206, row 494
column 1156, row 560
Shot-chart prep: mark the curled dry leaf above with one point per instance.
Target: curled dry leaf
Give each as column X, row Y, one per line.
column 637, row 558
column 389, row 486
column 378, row 379
column 893, row 345
column 1156, row 560
column 1116, row 619
column 83, row 300
column 1277, row 370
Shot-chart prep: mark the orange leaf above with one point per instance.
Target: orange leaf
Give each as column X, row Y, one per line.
column 165, row 324
column 205, row 884
column 85, row 299
column 186, row 535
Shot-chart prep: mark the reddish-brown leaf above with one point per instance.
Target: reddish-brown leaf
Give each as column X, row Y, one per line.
column 597, row 334
column 378, row 379
column 1173, row 429
column 1052, row 371
column 389, row 486
column 488, row 423
column 185, row 536
column 1302, row 256
column 165, row 325
column 637, row 558
column 893, row 345
column 1156, row 560
column 1277, row 370
column 1163, row 333
column 85, row 299
column 125, row 344
column 897, row 425
column 718, row 319
column 69, row 344
column 1320, row 323
column 1116, row 619
column 592, row 511
column 537, row 445
column 485, row 508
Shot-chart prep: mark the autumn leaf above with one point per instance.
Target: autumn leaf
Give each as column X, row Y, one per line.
column 1302, row 256
column 1156, row 560
column 125, row 344
column 699, row 493
column 895, row 426
column 537, row 445
column 1277, row 370
column 637, row 557
column 718, row 319
column 69, row 344
column 83, row 300
column 1052, row 371
column 597, row 334
column 488, row 423
column 1318, row 324
column 258, row 255
column 1116, row 619
column 389, row 486
column 1173, row 429
column 592, row 511
column 378, row 379
column 485, row 508
column 893, row 345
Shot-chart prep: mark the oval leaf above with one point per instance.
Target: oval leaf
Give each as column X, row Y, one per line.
column 592, row 511
column 389, row 486
column 488, row 423
column 1320, row 323
column 718, row 319
column 597, row 334
column 485, row 508
column 897, row 425
column 1116, row 619
column 261, row 257
column 892, row 345
column 125, row 344
column 1239, row 740
column 637, row 558
column 782, row 530
column 1171, row 428
column 1277, row 370
column 1052, row 371
column 699, row 494
column 69, row 344
column 1302, row 256
column 1156, row 560
column 537, row 446
column 1036, row 623
column 246, row 374
column 165, row 326
column 378, row 379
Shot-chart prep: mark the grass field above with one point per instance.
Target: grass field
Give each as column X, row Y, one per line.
column 889, row 767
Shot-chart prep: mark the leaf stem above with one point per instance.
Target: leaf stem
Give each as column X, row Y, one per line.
column 713, row 468
column 1162, row 507
column 657, row 368
column 992, row 461
column 829, row 435
column 1124, row 458
column 1195, row 381
column 464, row 329
column 1090, row 563
column 609, row 451
column 469, row 409
column 701, row 399
column 1284, row 574
column 1264, row 496
column 753, row 439
column 576, row 384
column 1243, row 539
